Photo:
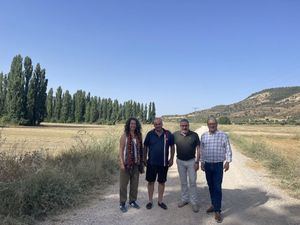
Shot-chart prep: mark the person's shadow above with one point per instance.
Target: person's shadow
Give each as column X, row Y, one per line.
column 255, row 207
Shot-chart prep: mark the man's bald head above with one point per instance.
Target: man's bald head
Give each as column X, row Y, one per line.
column 158, row 124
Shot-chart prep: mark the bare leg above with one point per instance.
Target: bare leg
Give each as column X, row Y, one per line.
column 150, row 191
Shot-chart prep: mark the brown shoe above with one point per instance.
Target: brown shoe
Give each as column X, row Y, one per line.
column 218, row 217
column 210, row 209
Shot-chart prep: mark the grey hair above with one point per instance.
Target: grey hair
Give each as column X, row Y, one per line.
column 157, row 118
column 212, row 118
column 184, row 121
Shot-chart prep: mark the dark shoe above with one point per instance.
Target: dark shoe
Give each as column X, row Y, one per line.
column 218, row 217
column 181, row 204
column 210, row 209
column 162, row 205
column 149, row 205
column 123, row 207
column 195, row 208
column 133, row 204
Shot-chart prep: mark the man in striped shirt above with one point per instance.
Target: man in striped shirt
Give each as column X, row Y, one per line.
column 215, row 150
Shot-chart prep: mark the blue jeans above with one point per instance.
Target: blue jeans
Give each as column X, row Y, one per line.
column 214, row 177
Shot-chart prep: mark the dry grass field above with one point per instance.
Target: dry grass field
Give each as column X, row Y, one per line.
column 56, row 137
column 275, row 147
column 53, row 138
column 284, row 140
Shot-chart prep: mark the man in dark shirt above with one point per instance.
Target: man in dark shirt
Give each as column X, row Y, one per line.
column 188, row 155
column 157, row 144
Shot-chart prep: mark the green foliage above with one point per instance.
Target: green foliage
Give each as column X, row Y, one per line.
column 15, row 89
column 66, row 107
column 224, row 120
column 24, row 100
column 50, row 105
column 58, row 103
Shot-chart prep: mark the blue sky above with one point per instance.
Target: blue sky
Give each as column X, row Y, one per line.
column 179, row 54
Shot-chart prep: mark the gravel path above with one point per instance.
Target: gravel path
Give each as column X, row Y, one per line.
column 249, row 198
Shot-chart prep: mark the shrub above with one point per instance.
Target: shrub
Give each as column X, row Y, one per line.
column 36, row 184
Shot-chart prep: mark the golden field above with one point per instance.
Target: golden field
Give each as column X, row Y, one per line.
column 57, row 137
column 284, row 140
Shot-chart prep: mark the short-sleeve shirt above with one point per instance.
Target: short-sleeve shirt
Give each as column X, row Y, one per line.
column 186, row 145
column 158, row 147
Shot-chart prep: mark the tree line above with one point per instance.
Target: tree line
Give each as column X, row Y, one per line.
column 24, row 100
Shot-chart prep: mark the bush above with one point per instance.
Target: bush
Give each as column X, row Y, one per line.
column 36, row 184
column 224, row 120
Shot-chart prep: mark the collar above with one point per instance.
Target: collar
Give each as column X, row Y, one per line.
column 213, row 133
column 183, row 134
column 163, row 131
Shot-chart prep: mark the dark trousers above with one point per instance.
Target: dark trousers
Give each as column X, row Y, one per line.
column 214, row 177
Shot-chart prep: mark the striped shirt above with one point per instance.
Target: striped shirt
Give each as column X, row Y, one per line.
column 215, row 147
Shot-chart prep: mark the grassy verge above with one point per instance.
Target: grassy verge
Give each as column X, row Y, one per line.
column 36, row 184
column 282, row 168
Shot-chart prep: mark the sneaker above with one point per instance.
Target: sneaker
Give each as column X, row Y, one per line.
column 133, row 204
column 162, row 205
column 218, row 217
column 149, row 205
column 195, row 208
column 210, row 209
column 182, row 203
column 123, row 208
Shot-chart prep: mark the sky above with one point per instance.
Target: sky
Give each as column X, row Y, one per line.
column 181, row 54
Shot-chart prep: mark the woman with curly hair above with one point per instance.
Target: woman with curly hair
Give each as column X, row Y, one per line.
column 131, row 162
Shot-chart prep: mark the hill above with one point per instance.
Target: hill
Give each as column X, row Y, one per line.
column 274, row 105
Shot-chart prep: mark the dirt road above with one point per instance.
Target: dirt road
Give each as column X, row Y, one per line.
column 249, row 198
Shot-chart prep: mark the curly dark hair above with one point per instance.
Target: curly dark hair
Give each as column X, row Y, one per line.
column 138, row 130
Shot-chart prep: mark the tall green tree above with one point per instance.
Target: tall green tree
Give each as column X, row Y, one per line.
column 58, row 103
column 15, row 90
column 36, row 98
column 141, row 112
column 50, row 105
column 3, row 91
column 94, row 114
column 150, row 113
column 87, row 114
column 109, row 110
column 115, row 112
column 27, row 74
column 79, row 99
column 153, row 112
column 145, row 118
column 103, row 110
column 66, row 107
column 41, row 110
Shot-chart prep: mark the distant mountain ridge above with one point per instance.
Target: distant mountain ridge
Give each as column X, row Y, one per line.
column 269, row 105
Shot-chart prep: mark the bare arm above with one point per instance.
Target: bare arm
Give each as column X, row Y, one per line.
column 145, row 154
column 197, row 157
column 172, row 156
column 197, row 153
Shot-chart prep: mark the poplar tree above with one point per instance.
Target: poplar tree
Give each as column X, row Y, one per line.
column 15, row 90
column 58, row 103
